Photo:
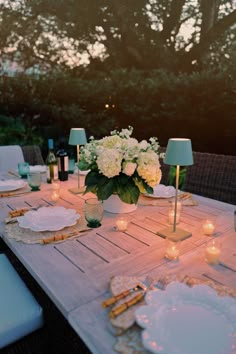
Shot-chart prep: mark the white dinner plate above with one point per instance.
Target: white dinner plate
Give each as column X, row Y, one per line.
column 184, row 320
column 162, row 191
column 12, row 185
column 38, row 168
column 48, row 219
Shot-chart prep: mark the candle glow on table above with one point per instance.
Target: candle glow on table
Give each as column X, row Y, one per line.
column 212, row 253
column 179, row 206
column 208, row 227
column 172, row 216
column 55, row 191
column 172, row 250
column 55, row 196
column 55, row 186
column 121, row 224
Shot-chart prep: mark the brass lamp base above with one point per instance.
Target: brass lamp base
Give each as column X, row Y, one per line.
column 178, row 235
column 78, row 190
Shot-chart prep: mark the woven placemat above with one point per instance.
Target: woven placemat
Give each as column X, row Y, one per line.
column 128, row 333
column 18, row 233
column 165, row 202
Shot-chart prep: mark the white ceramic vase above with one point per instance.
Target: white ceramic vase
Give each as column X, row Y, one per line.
column 115, row 205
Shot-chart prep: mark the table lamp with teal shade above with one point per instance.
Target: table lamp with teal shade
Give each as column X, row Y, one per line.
column 178, row 153
column 77, row 137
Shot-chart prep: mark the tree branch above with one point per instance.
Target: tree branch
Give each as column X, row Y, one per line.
column 173, row 19
column 208, row 38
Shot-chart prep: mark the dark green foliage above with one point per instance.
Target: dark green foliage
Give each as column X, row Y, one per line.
column 182, row 176
column 104, row 187
column 200, row 106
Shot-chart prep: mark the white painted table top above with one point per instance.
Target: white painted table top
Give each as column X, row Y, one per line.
column 76, row 273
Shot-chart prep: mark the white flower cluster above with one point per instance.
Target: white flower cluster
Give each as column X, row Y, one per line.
column 119, row 153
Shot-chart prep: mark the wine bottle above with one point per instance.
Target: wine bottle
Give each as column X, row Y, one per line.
column 51, row 162
column 63, row 163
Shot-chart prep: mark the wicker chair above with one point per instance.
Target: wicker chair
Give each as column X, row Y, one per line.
column 212, row 176
column 32, row 154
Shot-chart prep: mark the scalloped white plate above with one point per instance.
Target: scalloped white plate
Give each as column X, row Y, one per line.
column 48, row 219
column 184, row 320
column 162, row 191
column 12, row 185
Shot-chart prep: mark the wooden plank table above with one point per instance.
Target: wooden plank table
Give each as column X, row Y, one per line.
column 76, row 273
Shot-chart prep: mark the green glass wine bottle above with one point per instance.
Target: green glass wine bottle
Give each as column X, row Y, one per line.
column 51, row 162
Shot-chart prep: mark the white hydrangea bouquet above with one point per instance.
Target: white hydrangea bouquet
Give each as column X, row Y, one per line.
column 120, row 165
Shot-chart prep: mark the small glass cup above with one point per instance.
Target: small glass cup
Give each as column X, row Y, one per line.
column 34, row 180
column 208, row 227
column 23, row 169
column 172, row 251
column 212, row 252
column 93, row 210
column 121, row 224
column 171, row 216
column 55, row 191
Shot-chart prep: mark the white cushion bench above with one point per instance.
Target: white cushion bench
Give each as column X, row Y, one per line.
column 20, row 313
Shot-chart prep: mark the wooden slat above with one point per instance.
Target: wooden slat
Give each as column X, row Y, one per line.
column 76, row 273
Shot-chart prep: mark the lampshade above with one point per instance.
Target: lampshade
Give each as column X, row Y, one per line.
column 77, row 136
column 179, row 152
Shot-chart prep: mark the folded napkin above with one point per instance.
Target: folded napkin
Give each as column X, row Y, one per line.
column 13, row 215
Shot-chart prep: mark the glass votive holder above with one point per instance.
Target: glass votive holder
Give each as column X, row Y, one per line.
column 208, row 227
column 34, row 180
column 55, row 191
column 171, row 216
column 172, row 251
column 212, row 252
column 121, row 224
column 179, row 206
column 55, row 196
column 93, row 211
column 23, row 169
column 56, row 186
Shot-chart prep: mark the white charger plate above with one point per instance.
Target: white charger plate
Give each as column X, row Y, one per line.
column 162, row 191
column 188, row 320
column 48, row 219
column 12, row 185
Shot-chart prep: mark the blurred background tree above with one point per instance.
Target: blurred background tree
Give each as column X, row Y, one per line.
column 144, row 34
column 167, row 67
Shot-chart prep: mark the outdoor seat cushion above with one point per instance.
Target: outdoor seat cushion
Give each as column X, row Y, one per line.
column 10, row 156
column 20, row 313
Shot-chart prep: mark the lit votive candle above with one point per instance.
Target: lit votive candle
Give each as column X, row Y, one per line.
column 172, row 250
column 55, row 196
column 212, row 253
column 208, row 227
column 172, row 216
column 179, row 206
column 55, row 186
column 121, row 224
